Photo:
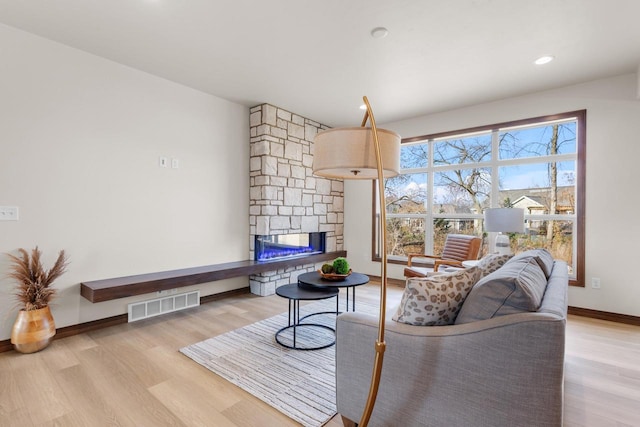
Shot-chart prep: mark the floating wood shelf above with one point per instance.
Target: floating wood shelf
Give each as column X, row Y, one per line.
column 121, row 287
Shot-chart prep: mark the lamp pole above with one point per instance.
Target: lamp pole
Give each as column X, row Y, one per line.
column 380, row 344
column 349, row 153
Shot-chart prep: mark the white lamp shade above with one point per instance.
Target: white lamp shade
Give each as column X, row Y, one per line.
column 349, row 153
column 504, row 220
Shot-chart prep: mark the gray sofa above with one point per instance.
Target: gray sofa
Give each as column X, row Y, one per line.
column 503, row 371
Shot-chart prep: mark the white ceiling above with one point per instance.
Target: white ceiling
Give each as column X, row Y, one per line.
column 317, row 58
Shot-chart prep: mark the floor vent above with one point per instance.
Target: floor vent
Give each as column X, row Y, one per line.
column 155, row 307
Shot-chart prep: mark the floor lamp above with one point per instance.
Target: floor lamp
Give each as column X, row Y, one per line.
column 363, row 153
column 503, row 220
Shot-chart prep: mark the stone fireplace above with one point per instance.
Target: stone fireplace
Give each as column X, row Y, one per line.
column 285, row 197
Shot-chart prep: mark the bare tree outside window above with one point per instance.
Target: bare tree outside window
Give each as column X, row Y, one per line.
column 469, row 188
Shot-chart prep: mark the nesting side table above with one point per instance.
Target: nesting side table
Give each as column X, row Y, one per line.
column 295, row 294
column 315, row 280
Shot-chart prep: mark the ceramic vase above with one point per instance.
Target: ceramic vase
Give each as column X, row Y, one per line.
column 33, row 330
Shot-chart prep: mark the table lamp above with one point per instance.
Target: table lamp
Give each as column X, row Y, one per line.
column 503, row 220
column 363, row 153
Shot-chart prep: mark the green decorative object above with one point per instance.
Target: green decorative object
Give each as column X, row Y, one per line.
column 340, row 266
column 327, row 268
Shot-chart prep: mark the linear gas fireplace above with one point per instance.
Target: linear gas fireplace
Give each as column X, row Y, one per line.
column 279, row 246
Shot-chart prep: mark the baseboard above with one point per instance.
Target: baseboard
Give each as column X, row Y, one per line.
column 67, row 331
column 605, row 315
column 81, row 328
column 5, row 345
column 226, row 294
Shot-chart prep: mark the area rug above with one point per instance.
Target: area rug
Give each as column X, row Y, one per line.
column 300, row 384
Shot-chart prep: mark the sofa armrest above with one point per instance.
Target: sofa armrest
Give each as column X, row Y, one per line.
column 475, row 374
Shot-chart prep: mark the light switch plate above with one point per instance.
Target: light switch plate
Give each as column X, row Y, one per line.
column 8, row 213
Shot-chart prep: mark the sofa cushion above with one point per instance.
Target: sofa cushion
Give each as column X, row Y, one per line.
column 490, row 263
column 516, row 287
column 435, row 300
column 542, row 256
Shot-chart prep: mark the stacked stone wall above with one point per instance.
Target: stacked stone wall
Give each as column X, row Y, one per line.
column 285, row 196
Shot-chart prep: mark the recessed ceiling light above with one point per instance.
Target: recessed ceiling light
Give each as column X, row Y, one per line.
column 544, row 60
column 363, row 107
column 379, row 33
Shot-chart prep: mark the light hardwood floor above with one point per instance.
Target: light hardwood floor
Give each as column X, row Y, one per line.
column 133, row 374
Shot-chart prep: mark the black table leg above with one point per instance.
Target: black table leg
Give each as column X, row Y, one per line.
column 295, row 294
column 296, row 309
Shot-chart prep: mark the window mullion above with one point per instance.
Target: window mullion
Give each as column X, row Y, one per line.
column 495, row 174
column 428, row 221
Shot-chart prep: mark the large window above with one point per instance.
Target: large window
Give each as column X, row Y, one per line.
column 447, row 180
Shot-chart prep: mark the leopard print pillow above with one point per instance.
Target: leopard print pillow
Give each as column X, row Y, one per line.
column 435, row 300
column 490, row 263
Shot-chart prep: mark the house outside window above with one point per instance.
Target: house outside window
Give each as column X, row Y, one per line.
column 447, row 180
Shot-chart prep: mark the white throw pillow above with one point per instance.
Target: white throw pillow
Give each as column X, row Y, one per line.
column 435, row 300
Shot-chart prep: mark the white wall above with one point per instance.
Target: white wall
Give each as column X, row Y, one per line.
column 613, row 155
column 80, row 139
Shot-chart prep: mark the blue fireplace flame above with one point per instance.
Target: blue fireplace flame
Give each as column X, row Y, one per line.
column 282, row 246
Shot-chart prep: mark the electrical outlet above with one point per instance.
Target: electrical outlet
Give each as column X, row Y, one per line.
column 8, row 213
column 175, row 163
column 595, row 282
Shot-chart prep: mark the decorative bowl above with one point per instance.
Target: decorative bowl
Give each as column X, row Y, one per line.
column 334, row 276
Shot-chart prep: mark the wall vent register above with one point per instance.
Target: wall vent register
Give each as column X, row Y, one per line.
column 157, row 306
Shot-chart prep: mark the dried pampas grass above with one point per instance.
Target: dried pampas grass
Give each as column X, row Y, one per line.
column 34, row 289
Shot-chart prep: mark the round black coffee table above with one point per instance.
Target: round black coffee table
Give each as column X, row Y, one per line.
column 295, row 294
column 315, row 280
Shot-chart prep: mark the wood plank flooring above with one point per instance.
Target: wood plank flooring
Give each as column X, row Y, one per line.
column 133, row 375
